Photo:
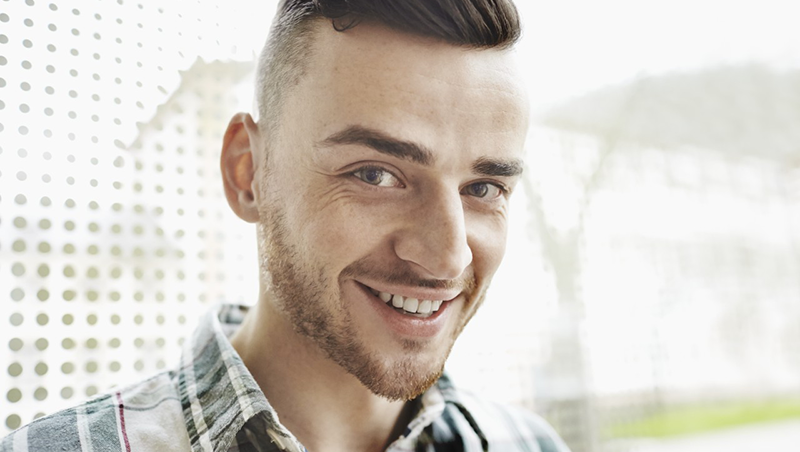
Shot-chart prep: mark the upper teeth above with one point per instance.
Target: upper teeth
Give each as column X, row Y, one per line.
column 409, row 304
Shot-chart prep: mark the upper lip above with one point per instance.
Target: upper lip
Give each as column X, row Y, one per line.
column 420, row 293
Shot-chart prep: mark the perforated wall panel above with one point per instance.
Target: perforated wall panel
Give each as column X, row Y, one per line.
column 114, row 234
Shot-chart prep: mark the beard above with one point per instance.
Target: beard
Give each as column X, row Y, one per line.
column 315, row 306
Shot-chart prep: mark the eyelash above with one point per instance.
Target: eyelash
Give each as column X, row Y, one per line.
column 503, row 191
column 367, row 168
column 502, row 187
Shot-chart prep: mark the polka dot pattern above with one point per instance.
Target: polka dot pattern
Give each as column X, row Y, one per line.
column 114, row 231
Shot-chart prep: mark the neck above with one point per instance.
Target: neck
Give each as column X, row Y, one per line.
column 325, row 407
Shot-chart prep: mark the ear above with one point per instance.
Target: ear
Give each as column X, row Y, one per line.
column 240, row 141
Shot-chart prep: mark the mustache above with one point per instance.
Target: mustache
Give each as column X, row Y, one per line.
column 403, row 275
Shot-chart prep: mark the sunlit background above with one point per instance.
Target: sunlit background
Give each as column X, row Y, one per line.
column 650, row 298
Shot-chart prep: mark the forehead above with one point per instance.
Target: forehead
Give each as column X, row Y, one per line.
column 438, row 94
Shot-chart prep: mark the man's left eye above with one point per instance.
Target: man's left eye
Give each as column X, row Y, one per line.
column 483, row 190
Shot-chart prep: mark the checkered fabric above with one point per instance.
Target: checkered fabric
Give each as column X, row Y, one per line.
column 212, row 403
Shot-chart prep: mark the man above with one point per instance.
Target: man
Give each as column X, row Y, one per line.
column 389, row 139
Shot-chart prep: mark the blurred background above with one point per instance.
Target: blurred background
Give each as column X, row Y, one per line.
column 650, row 297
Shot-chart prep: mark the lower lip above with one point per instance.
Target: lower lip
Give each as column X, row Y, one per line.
column 406, row 325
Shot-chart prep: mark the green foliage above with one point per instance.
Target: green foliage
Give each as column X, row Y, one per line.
column 701, row 418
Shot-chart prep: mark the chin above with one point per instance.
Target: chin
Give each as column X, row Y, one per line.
column 416, row 366
column 405, row 379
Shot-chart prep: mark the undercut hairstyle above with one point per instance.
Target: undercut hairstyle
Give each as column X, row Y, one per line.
column 477, row 24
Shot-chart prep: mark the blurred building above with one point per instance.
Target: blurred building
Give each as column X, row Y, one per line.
column 667, row 209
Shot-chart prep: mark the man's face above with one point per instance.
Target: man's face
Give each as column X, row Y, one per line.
column 388, row 178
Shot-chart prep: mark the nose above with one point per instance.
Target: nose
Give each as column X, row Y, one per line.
column 435, row 238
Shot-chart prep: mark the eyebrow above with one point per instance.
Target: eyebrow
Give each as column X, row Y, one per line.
column 486, row 166
column 407, row 150
column 382, row 143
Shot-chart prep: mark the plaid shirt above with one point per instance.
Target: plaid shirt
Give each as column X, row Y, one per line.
column 212, row 403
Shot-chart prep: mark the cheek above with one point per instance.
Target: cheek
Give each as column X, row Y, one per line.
column 487, row 241
column 334, row 229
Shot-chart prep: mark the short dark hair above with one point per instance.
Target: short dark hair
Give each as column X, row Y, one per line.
column 475, row 24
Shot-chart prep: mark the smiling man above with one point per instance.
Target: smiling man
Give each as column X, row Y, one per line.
column 389, row 138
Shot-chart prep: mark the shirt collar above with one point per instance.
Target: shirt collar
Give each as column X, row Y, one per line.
column 219, row 394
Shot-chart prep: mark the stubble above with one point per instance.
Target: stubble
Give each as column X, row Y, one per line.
column 315, row 307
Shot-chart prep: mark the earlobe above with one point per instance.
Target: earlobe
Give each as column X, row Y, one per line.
column 238, row 170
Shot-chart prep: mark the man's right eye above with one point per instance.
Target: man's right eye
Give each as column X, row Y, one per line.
column 377, row 177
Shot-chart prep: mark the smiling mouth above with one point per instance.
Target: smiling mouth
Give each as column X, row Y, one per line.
column 408, row 305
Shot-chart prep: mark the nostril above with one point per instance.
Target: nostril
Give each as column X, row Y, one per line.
column 436, row 259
